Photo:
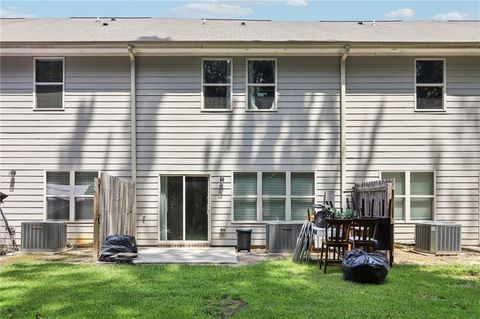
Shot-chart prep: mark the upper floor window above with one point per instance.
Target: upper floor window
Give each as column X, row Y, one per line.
column 217, row 84
column 430, row 85
column 261, row 85
column 49, row 83
column 414, row 195
column 69, row 195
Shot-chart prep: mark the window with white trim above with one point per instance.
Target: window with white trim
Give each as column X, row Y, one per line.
column 261, row 85
column 302, row 194
column 69, row 195
column 429, row 84
column 414, row 195
column 49, row 83
column 272, row 196
column 245, row 195
column 217, row 84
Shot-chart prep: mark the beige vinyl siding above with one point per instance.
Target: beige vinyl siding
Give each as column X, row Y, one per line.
column 175, row 136
column 93, row 133
column 385, row 134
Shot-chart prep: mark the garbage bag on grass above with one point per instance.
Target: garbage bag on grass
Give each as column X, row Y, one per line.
column 364, row 267
column 116, row 244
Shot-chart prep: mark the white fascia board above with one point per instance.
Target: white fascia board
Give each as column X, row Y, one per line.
column 205, row 52
column 39, row 52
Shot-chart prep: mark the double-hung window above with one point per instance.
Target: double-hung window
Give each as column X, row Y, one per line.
column 414, row 195
column 302, row 194
column 49, row 83
column 272, row 196
column 245, row 194
column 217, row 84
column 274, row 192
column 261, row 85
column 430, row 85
column 69, row 195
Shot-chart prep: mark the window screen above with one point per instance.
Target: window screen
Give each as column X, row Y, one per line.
column 84, row 192
column 58, row 196
column 273, row 196
column 302, row 194
column 69, row 195
column 422, row 193
column 415, row 202
column 245, row 196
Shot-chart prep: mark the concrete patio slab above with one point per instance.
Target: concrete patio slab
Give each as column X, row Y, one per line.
column 186, row 255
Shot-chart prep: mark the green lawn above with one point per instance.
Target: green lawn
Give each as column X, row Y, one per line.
column 272, row 289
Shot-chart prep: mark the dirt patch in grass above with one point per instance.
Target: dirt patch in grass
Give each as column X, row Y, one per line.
column 257, row 255
column 403, row 255
column 73, row 256
column 407, row 255
column 225, row 307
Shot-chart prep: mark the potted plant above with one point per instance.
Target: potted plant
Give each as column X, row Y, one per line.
column 339, row 214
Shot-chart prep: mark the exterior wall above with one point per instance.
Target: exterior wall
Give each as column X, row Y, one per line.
column 175, row 136
column 384, row 133
column 93, row 133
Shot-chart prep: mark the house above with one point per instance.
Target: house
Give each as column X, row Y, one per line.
column 226, row 124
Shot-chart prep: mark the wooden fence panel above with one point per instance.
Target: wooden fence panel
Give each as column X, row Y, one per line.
column 377, row 199
column 116, row 207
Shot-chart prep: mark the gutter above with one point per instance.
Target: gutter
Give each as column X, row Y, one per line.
column 133, row 114
column 24, row 50
column 343, row 147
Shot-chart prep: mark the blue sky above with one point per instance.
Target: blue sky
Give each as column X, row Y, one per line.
column 250, row 9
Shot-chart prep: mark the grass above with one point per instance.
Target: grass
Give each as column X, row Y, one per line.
column 271, row 289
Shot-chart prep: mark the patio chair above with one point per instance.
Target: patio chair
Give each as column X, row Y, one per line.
column 336, row 237
column 363, row 234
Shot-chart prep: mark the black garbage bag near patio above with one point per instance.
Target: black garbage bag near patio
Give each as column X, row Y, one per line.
column 363, row 267
column 118, row 244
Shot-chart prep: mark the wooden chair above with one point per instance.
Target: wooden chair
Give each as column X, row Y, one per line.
column 337, row 237
column 363, row 234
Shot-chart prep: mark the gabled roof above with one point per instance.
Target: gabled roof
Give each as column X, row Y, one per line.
column 133, row 30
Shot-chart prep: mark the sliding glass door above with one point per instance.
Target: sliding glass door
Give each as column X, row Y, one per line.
column 184, row 208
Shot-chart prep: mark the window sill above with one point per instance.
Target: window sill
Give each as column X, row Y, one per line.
column 266, row 222
column 253, row 111
column 86, row 221
column 49, row 110
column 430, row 111
column 413, row 221
column 216, row 110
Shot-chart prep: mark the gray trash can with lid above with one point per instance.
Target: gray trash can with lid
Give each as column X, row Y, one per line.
column 244, row 239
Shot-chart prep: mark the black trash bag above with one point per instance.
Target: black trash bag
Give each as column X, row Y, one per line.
column 116, row 244
column 360, row 266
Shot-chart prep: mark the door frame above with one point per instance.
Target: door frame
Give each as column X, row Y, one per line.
column 209, row 210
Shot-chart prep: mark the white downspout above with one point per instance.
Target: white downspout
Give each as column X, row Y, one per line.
column 343, row 135
column 133, row 114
